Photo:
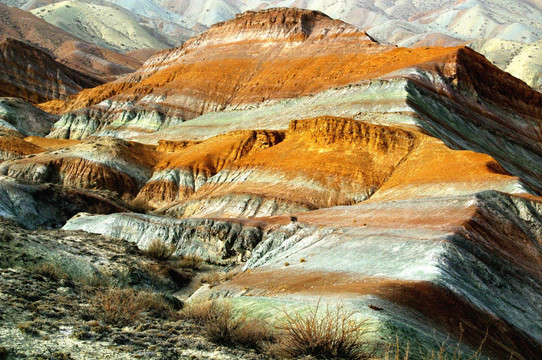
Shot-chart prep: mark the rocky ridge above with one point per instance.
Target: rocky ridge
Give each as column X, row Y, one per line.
column 33, row 75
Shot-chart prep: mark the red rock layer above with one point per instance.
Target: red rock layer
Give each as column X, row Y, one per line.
column 33, row 75
column 322, row 162
column 101, row 164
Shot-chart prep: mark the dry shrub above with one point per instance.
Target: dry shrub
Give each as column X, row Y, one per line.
column 327, row 334
column 190, row 262
column 139, row 205
column 50, row 270
column 216, row 278
column 159, row 250
column 124, row 306
column 225, row 327
column 198, row 311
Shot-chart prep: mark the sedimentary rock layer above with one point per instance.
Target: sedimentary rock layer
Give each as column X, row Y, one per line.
column 50, row 206
column 106, row 164
column 33, row 75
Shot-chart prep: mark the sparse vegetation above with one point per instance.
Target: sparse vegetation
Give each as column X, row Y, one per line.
column 123, row 306
column 216, row 278
column 330, row 333
column 159, row 250
column 190, row 262
column 222, row 325
column 50, row 270
column 28, row 328
column 139, row 205
column 446, row 350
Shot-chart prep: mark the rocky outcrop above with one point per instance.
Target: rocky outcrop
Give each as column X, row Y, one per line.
column 327, row 161
column 214, row 240
column 50, row 206
column 181, row 173
column 33, row 75
column 25, row 118
column 104, row 164
column 13, row 146
column 446, row 263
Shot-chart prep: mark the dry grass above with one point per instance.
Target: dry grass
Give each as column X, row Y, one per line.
column 445, row 351
column 225, row 327
column 124, row 306
column 50, row 270
column 159, row 250
column 190, row 262
column 216, row 278
column 324, row 334
column 139, row 205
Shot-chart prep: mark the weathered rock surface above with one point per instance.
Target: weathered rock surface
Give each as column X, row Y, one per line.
column 66, row 48
column 214, row 240
column 13, row 145
column 104, row 164
column 432, row 263
column 68, row 324
column 33, row 75
column 49, row 206
column 25, row 118
column 179, row 174
column 524, row 61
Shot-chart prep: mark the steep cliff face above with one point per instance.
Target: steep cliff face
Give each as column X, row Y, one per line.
column 33, row 75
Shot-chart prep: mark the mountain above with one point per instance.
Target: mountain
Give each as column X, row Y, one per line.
column 64, row 47
column 400, row 22
column 284, row 159
column 33, row 75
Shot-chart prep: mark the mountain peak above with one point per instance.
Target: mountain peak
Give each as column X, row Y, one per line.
column 281, row 24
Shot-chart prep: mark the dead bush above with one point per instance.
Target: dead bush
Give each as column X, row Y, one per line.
column 124, row 306
column 139, row 205
column 50, row 270
column 190, row 262
column 224, row 326
column 198, row 311
column 216, row 278
column 159, row 250
column 324, row 334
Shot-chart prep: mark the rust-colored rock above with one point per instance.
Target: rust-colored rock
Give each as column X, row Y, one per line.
column 31, row 74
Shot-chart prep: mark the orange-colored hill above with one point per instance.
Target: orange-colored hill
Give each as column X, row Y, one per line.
column 272, row 54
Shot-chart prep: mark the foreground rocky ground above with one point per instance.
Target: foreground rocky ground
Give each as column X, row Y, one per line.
column 54, row 286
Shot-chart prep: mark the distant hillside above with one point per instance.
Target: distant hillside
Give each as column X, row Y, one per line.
column 84, row 56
